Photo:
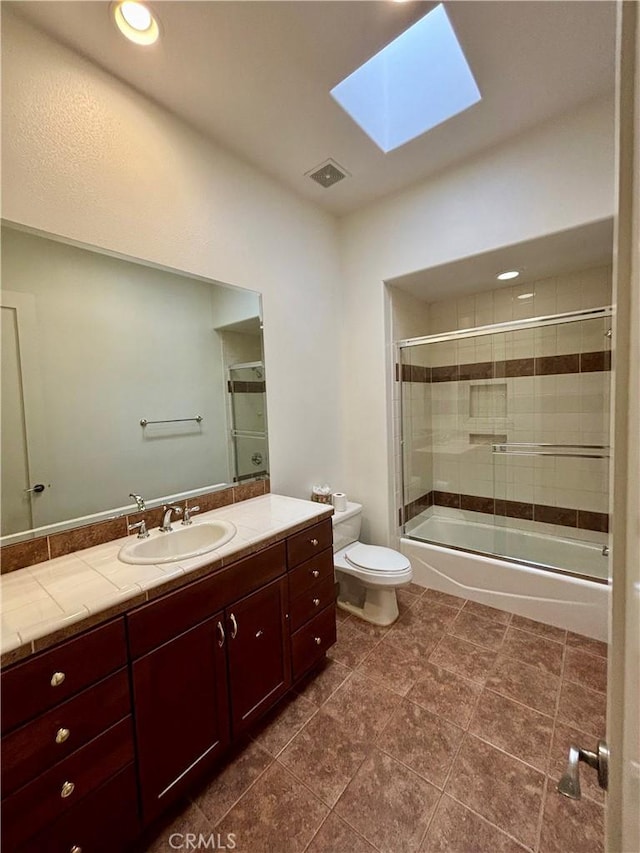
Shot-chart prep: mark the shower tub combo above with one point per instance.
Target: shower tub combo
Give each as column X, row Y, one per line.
column 504, row 446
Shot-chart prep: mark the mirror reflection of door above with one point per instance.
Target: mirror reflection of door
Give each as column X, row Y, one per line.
column 21, row 432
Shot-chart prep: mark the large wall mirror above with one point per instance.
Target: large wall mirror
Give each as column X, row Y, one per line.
column 119, row 377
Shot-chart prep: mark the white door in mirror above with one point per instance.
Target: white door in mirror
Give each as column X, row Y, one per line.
column 180, row 544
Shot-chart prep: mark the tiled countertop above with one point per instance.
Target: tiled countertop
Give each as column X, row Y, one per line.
column 50, row 601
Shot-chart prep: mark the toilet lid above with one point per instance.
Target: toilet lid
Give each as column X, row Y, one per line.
column 377, row 557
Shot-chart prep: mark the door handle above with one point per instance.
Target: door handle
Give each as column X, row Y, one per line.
column 234, row 627
column 39, row 487
column 569, row 784
column 220, row 634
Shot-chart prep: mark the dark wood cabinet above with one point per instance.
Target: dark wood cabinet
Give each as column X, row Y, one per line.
column 312, row 596
column 67, row 732
column 258, row 653
column 101, row 733
column 180, row 699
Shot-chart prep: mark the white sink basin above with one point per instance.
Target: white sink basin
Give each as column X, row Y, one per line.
column 181, row 543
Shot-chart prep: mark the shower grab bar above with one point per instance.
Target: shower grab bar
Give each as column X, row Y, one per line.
column 526, row 449
column 144, row 422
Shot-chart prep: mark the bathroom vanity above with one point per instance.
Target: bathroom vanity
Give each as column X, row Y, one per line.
column 103, row 731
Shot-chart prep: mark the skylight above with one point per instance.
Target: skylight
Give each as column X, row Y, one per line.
column 413, row 84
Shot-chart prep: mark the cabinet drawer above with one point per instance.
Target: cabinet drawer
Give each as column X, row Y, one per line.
column 310, row 573
column 30, row 809
column 35, row 747
column 309, row 644
column 311, row 541
column 104, row 822
column 160, row 621
column 311, row 602
column 44, row 681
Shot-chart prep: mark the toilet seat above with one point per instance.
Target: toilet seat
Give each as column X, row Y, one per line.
column 384, row 567
column 377, row 558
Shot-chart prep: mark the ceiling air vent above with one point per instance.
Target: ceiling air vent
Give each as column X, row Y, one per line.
column 327, row 174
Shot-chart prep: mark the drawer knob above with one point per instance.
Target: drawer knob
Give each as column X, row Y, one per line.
column 259, row 634
column 316, row 602
column 314, row 542
column 317, row 640
column 57, row 678
column 62, row 734
column 315, row 573
column 75, row 849
column 67, row 789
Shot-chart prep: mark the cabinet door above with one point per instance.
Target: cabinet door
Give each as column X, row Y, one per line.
column 181, row 709
column 258, row 653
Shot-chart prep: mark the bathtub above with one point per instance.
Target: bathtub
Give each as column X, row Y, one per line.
column 558, row 598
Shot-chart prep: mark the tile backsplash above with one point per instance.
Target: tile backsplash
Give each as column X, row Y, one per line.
column 32, row 551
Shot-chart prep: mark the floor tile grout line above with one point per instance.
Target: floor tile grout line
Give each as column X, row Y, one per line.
column 490, row 822
column 519, row 702
column 311, row 840
column 506, row 752
column 237, row 800
column 543, row 806
column 549, row 752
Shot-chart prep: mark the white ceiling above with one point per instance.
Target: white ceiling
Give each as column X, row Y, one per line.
column 554, row 254
column 255, row 77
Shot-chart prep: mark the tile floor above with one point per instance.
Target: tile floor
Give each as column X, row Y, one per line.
column 446, row 732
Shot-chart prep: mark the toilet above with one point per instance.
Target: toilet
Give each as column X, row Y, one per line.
column 368, row 574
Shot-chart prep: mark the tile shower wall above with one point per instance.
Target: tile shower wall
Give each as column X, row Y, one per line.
column 547, row 385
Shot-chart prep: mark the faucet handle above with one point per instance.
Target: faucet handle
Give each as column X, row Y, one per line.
column 139, row 501
column 141, row 527
column 188, row 512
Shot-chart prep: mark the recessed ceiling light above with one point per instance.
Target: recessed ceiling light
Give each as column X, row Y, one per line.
column 526, row 296
column 136, row 22
column 505, row 276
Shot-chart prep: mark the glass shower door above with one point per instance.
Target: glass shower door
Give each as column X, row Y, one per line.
column 552, row 473
column 247, row 392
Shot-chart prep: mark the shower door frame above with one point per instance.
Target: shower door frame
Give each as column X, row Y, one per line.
column 479, row 331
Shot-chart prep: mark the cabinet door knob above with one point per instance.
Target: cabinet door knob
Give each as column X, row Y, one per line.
column 259, row 634
column 314, row 542
column 315, row 573
column 317, row 640
column 57, row 678
column 67, row 789
column 234, row 627
column 75, row 849
column 316, row 602
column 220, row 634
column 62, row 734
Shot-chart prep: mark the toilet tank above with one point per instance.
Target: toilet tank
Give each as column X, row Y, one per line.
column 346, row 526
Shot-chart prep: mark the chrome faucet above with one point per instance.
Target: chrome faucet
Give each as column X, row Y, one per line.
column 141, row 527
column 139, row 501
column 166, row 519
column 188, row 512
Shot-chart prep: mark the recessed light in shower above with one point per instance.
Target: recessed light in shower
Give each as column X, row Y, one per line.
column 136, row 22
column 505, row 276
